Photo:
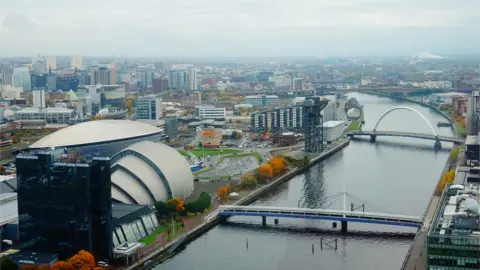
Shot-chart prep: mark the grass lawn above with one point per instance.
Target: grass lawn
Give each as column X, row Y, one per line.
column 355, row 125
column 213, row 152
column 147, row 240
column 183, row 152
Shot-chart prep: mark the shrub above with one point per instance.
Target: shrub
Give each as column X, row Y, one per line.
column 199, row 205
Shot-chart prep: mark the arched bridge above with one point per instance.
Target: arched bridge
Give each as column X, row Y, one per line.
column 432, row 136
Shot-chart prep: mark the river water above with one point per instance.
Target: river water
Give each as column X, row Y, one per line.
column 393, row 175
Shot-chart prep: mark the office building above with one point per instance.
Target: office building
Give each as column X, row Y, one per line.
column 210, row 112
column 453, row 239
column 21, row 78
column 262, row 100
column 76, row 62
column 192, row 78
column 38, row 66
column 149, row 108
column 313, row 124
column 39, row 80
column 64, row 204
column 171, row 127
column 145, row 77
column 159, row 85
column 50, row 62
column 159, row 66
column 104, row 76
column 51, row 82
column 7, row 73
column 290, row 118
column 473, row 113
column 297, row 84
column 177, row 79
column 38, row 97
column 53, row 115
column 67, row 82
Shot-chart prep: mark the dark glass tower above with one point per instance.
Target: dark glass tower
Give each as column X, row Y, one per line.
column 64, row 206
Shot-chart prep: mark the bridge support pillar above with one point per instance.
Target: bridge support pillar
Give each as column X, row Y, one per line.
column 344, row 226
column 264, row 221
column 373, row 138
column 437, row 145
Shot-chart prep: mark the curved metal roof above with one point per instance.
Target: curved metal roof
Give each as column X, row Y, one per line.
column 96, row 132
column 147, row 172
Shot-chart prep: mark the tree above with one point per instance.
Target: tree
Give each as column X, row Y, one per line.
column 306, row 160
column 161, row 208
column 175, row 205
column 222, row 193
column 7, row 264
column 249, row 181
column 82, row 260
column 60, row 265
column 266, row 170
column 98, row 117
column 44, row 267
column 279, row 165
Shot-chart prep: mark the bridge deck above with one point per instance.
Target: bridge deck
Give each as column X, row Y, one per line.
column 405, row 134
column 323, row 214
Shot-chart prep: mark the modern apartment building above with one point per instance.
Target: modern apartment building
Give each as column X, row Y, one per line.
column 473, row 113
column 105, row 76
column 77, row 62
column 177, row 79
column 21, row 78
column 210, row 112
column 192, row 78
column 262, row 100
column 290, row 118
column 149, row 108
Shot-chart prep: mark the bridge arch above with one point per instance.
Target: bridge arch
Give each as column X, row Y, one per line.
column 434, row 133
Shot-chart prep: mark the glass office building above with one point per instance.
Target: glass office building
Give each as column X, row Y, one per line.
column 64, row 206
column 453, row 241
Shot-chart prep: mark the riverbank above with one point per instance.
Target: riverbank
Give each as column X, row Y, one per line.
column 212, row 220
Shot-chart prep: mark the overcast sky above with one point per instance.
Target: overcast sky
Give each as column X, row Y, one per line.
column 239, row 27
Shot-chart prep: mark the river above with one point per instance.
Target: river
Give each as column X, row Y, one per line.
column 393, row 175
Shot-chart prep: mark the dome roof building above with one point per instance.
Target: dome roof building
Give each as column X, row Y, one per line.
column 147, row 172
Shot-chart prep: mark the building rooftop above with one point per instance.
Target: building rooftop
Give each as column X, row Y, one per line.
column 96, row 132
column 126, row 213
column 46, row 110
column 8, row 204
column 458, row 215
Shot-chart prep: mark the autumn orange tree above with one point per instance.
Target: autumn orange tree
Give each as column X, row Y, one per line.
column 447, row 178
column 266, row 170
column 29, row 267
column 82, row 260
column 61, row 265
column 279, row 165
column 175, row 204
column 223, row 192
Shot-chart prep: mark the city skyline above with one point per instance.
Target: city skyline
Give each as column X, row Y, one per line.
column 263, row 28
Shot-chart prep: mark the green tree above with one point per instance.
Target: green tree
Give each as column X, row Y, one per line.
column 161, row 208
column 249, row 181
column 7, row 264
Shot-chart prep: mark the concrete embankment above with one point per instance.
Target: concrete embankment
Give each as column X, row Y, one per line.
column 415, row 258
column 161, row 255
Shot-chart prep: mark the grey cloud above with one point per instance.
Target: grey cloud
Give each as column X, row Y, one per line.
column 240, row 27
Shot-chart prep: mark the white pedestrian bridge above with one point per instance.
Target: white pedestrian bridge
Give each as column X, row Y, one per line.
column 343, row 216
